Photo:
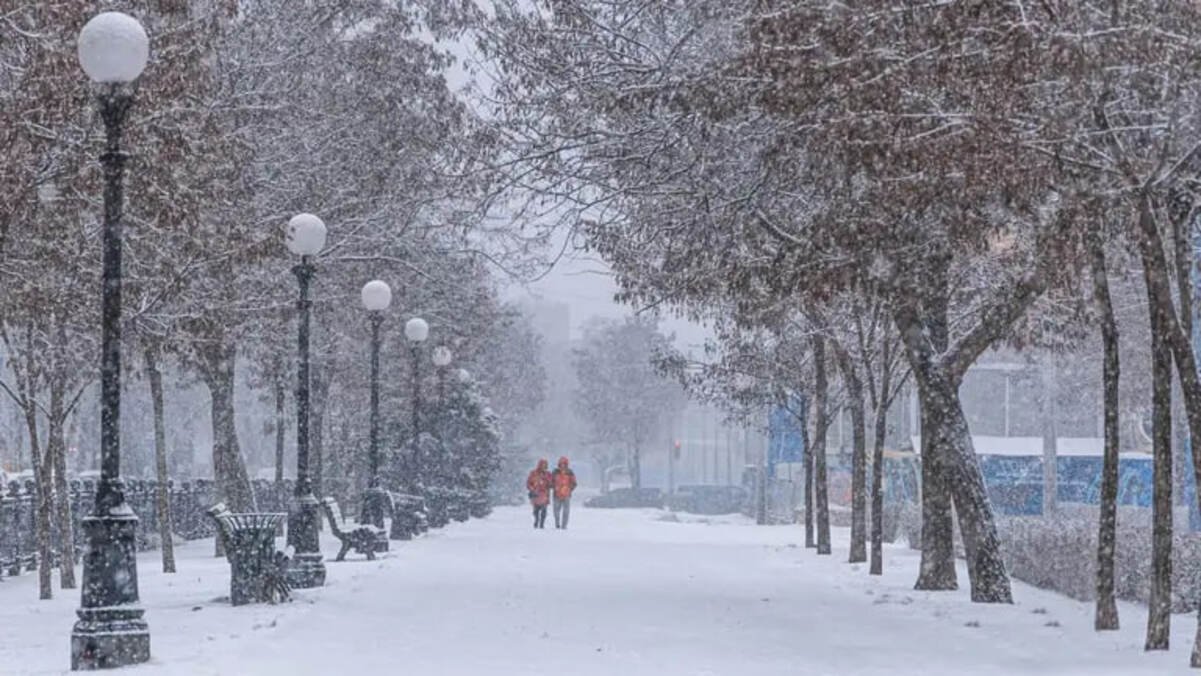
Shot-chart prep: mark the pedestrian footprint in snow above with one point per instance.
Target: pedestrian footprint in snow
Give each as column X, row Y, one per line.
column 539, row 485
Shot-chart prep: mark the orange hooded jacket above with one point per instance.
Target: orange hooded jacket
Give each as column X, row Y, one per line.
column 564, row 480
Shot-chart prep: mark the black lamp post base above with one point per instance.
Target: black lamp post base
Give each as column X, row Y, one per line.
column 110, row 632
column 108, row 639
column 375, row 505
column 307, row 569
column 381, row 542
column 398, row 531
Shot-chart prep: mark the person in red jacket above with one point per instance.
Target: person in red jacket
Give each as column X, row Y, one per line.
column 539, row 485
column 564, row 484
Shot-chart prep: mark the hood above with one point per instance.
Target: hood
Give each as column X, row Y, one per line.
column 563, row 462
column 543, row 464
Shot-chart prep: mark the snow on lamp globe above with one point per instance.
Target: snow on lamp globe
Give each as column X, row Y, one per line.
column 417, row 330
column 306, row 235
column 442, row 356
column 377, row 296
column 113, row 48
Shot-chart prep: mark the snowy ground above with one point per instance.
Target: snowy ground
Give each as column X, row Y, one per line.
column 622, row 593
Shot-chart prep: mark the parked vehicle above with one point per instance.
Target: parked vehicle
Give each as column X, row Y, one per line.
column 708, row 499
column 619, row 498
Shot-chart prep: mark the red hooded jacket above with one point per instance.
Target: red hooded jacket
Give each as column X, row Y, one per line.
column 539, row 484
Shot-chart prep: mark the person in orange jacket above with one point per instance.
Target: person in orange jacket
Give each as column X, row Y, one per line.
column 564, row 483
column 539, row 485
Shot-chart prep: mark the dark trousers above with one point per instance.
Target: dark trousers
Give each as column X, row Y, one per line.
column 539, row 516
column 562, row 511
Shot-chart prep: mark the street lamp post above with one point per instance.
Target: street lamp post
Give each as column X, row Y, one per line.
column 442, row 357
column 416, row 330
column 306, row 238
column 111, row 631
column 377, row 296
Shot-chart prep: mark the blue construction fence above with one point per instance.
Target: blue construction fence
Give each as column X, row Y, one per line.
column 785, row 441
column 1015, row 483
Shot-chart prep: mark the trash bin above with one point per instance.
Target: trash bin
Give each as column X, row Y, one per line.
column 250, row 548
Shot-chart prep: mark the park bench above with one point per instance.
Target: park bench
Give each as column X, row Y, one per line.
column 437, row 506
column 13, row 565
column 258, row 573
column 408, row 515
column 360, row 537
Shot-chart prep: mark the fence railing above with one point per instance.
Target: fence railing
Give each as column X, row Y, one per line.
column 188, row 502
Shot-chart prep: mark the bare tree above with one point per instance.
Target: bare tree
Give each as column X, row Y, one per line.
column 621, row 395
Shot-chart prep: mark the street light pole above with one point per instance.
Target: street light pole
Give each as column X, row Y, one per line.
column 442, row 358
column 417, row 330
column 306, row 238
column 377, row 296
column 376, row 319
column 418, row 459
column 111, row 631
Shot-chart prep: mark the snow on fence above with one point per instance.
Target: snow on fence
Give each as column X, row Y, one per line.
column 189, row 500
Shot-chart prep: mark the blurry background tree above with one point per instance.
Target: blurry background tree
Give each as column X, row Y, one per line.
column 622, row 397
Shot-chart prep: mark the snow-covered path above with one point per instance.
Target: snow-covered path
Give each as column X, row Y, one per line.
column 622, row 593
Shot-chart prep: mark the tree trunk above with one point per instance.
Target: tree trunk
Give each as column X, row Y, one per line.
column 231, row 478
column 343, row 462
column 1160, row 307
column 18, row 422
column 807, row 463
column 1106, row 614
column 936, row 571
column 636, row 467
column 319, row 396
column 162, row 501
column 1181, row 222
column 56, row 450
column 986, row 567
column 280, row 423
column 42, row 511
column 1159, row 606
column 939, row 394
column 854, row 385
column 1106, row 617
column 820, row 480
column 1050, row 439
column 881, row 429
column 1159, row 291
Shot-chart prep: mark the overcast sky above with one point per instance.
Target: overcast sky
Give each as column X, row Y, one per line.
column 584, row 283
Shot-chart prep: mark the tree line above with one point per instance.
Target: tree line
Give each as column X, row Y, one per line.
column 877, row 192
column 248, row 113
